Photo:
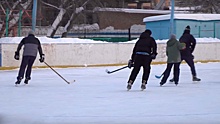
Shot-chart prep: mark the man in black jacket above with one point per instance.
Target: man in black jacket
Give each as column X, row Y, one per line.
column 186, row 54
column 144, row 51
column 31, row 46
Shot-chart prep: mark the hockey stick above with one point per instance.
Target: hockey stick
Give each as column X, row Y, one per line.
column 59, row 74
column 159, row 76
column 109, row 72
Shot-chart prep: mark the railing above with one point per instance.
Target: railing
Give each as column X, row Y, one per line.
column 114, row 36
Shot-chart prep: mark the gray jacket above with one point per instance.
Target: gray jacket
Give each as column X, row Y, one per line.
column 31, row 46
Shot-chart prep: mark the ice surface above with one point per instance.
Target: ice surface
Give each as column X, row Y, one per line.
column 100, row 98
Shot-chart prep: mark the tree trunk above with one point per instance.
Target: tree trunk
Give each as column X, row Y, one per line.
column 51, row 32
column 73, row 17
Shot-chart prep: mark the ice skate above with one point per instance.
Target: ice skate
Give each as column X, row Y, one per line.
column 171, row 80
column 196, row 79
column 26, row 81
column 18, row 82
column 143, row 85
column 161, row 83
column 129, row 85
column 176, row 83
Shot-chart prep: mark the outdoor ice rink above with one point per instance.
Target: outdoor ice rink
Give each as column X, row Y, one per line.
column 100, row 98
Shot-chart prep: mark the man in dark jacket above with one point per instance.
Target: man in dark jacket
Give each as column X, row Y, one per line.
column 31, row 46
column 144, row 51
column 186, row 54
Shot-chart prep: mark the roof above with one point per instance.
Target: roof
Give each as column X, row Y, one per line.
column 147, row 11
column 202, row 17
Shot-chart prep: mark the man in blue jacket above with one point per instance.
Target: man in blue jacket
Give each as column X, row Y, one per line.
column 186, row 54
column 31, row 46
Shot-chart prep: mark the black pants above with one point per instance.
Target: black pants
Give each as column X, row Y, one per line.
column 27, row 62
column 190, row 62
column 176, row 72
column 141, row 60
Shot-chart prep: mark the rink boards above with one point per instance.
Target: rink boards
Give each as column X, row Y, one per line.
column 97, row 54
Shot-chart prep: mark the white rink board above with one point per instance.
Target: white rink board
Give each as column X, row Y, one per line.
column 80, row 54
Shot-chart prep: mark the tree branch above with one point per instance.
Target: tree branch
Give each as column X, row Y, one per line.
column 2, row 9
column 50, row 5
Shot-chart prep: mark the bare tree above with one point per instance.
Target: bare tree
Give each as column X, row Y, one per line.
column 208, row 6
column 13, row 20
column 200, row 6
column 73, row 17
column 62, row 10
column 74, row 9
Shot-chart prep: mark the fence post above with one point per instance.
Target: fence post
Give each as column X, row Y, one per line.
column 214, row 30
column 172, row 17
column 0, row 54
column 129, row 34
column 7, row 19
column 34, row 14
column 19, row 23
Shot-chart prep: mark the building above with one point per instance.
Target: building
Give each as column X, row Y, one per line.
column 202, row 25
column 121, row 18
column 149, row 4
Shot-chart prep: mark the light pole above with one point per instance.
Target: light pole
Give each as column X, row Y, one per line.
column 34, row 14
column 172, row 17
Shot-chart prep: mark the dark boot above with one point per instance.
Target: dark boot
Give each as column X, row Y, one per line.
column 143, row 85
column 176, row 83
column 26, row 80
column 162, row 83
column 18, row 80
column 196, row 79
column 130, row 82
column 171, row 80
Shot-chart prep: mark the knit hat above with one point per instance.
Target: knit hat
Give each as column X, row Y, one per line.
column 172, row 36
column 187, row 27
column 31, row 32
column 148, row 31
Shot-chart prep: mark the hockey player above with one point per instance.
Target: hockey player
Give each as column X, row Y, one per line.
column 173, row 59
column 31, row 46
column 144, row 51
column 186, row 54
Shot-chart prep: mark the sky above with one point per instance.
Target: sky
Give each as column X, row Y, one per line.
column 100, row 98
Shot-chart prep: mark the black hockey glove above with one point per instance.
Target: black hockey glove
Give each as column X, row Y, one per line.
column 42, row 58
column 130, row 63
column 16, row 56
column 193, row 56
column 153, row 56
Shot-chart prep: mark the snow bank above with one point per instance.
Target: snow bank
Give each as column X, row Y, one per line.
column 46, row 40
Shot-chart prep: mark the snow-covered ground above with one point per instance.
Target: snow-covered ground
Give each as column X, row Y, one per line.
column 77, row 40
column 100, row 98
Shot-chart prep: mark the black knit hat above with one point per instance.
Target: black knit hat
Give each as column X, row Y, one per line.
column 148, row 31
column 187, row 27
